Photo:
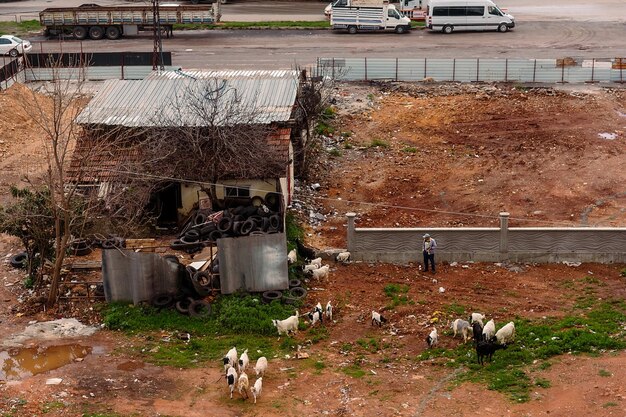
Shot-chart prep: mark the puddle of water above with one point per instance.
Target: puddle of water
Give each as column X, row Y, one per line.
column 20, row 363
column 609, row 136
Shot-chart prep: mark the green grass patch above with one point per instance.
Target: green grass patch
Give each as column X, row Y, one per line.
column 347, row 145
column 593, row 332
column 52, row 406
column 609, row 404
column 244, row 322
column 370, row 344
column 323, row 128
column 355, row 371
column 335, row 152
column 346, row 347
column 622, row 273
column 318, row 333
column 409, row 149
column 456, row 309
column 21, row 29
column 542, row 382
column 415, row 24
column 604, row 373
column 378, row 143
column 397, row 293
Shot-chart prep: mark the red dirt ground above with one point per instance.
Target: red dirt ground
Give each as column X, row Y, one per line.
column 539, row 157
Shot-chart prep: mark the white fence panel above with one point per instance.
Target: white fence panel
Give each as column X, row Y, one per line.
column 411, row 69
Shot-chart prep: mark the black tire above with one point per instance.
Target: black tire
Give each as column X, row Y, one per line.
column 13, row 53
column 502, row 28
column 199, row 219
column 182, row 306
column 96, row 32
column 294, row 283
column 269, row 296
column 80, row 247
column 99, row 290
column 272, row 201
column 352, row 30
column 19, row 260
column 400, row 30
column 200, row 309
column 239, row 218
column 206, row 230
column 237, row 227
column 275, row 222
column 297, row 293
column 192, row 235
column 203, row 278
column 247, row 227
column 447, row 29
column 162, row 300
column 257, row 201
column 225, row 224
column 113, row 32
column 80, row 32
column 249, row 211
column 214, row 235
column 179, row 244
column 113, row 242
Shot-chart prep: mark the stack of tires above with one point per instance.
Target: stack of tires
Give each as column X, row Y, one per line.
column 233, row 222
column 295, row 294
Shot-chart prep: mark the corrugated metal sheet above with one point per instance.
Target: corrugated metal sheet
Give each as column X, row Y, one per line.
column 222, row 74
column 263, row 268
column 163, row 99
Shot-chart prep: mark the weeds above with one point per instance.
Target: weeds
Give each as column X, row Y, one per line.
column 598, row 330
column 355, row 371
column 370, row 345
column 347, row 145
column 378, row 143
column 409, row 149
column 604, row 373
column 21, row 29
column 542, row 382
column 335, row 152
column 609, row 404
column 456, row 309
column 397, row 293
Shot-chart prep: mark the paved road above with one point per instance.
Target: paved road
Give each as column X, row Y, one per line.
column 268, row 49
column 576, row 28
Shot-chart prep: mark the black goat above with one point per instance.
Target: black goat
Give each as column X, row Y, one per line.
column 477, row 331
column 304, row 251
column 486, row 350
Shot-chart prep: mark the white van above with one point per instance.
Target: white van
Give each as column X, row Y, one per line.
column 450, row 15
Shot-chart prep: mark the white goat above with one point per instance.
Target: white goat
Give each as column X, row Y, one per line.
column 477, row 318
column 329, row 311
column 292, row 256
column 290, row 324
column 243, row 361
column 462, row 327
column 310, row 267
column 314, row 316
column 243, row 384
column 432, row 338
column 261, row 366
column 231, row 379
column 316, row 261
column 257, row 388
column 230, row 359
column 506, row 334
column 318, row 307
column 321, row 272
column 343, row 257
column 489, row 331
column 377, row 318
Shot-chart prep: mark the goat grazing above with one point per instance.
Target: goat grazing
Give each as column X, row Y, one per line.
column 314, row 316
column 256, row 388
column 321, row 272
column 231, row 379
column 461, row 326
column 292, row 256
column 432, row 338
column 290, row 324
column 329, row 311
column 486, row 350
column 343, row 257
column 243, row 384
column 477, row 331
column 310, row 267
column 506, row 334
column 305, row 251
column 378, row 318
column 316, row 261
column 261, row 366
column 477, row 318
column 318, row 307
column 489, row 331
column 230, row 359
column 243, row 361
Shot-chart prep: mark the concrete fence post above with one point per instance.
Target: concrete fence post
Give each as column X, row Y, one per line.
column 351, row 233
column 504, row 235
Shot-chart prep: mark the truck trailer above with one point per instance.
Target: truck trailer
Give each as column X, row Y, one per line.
column 368, row 15
column 98, row 22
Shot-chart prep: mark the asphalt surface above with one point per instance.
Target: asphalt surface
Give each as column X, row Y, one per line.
column 562, row 28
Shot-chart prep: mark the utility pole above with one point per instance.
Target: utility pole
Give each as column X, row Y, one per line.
column 157, row 51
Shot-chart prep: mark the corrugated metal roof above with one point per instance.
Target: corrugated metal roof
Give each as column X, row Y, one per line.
column 165, row 99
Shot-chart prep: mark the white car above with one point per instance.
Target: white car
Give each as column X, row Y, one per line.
column 13, row 46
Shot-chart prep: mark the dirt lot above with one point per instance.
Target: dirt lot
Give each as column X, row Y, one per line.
column 468, row 150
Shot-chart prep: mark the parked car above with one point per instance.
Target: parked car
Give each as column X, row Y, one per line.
column 13, row 46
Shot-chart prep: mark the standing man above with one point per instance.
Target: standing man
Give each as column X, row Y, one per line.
column 429, row 252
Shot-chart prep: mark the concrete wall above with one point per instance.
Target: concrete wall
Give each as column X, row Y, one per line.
column 489, row 244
